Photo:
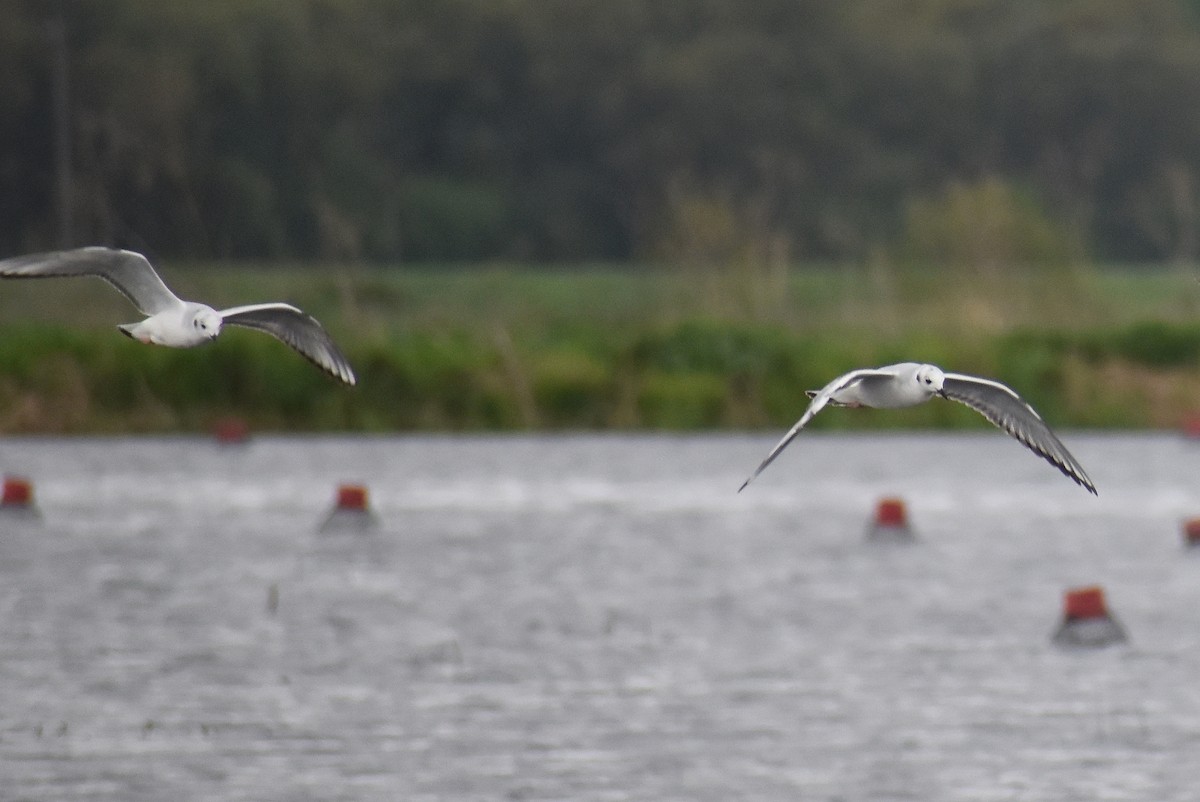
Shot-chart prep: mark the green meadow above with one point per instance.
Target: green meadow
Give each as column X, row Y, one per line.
column 511, row 347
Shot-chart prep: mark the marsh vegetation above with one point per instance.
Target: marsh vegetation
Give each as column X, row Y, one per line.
column 593, row 347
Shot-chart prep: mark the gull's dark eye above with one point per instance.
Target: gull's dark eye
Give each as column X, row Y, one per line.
column 929, row 381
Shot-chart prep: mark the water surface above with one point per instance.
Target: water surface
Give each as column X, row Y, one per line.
column 595, row 618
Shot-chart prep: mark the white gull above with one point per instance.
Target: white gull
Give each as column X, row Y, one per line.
column 174, row 322
column 907, row 384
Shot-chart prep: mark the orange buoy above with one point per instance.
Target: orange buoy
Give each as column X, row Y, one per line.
column 1086, row 619
column 231, row 431
column 891, row 521
column 1191, row 532
column 351, row 511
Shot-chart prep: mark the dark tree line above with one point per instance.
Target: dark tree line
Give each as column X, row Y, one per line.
column 577, row 129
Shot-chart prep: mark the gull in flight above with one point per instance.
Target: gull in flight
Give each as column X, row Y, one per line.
column 908, row 383
column 172, row 321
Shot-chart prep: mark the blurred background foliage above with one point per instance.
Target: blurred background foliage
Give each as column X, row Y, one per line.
column 567, row 130
column 601, row 347
column 606, row 213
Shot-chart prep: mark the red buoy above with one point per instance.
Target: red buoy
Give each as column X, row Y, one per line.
column 891, row 521
column 891, row 512
column 1191, row 532
column 351, row 512
column 352, row 497
column 18, row 492
column 1191, row 426
column 231, row 431
column 1085, row 603
column 16, row 501
column 1086, row 619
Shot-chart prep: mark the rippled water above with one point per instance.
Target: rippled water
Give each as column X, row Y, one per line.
column 595, row 618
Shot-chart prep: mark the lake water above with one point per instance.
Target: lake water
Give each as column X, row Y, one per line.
column 596, row 618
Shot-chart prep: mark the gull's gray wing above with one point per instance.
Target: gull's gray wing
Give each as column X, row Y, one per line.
column 128, row 271
column 299, row 330
column 819, row 400
column 1003, row 407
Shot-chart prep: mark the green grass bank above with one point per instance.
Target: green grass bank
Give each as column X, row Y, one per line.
column 511, row 347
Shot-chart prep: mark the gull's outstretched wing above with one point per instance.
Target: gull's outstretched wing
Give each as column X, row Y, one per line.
column 819, row 400
column 1003, row 407
column 299, row 330
column 128, row 271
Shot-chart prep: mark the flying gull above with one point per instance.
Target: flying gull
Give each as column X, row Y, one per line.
column 173, row 321
column 908, row 383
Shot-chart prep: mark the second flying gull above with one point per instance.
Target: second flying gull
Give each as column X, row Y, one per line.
column 907, row 384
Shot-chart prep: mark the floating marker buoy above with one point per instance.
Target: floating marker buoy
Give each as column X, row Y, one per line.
column 351, row 512
column 891, row 522
column 1191, row 426
column 352, row 497
column 1084, row 603
column 1191, row 532
column 231, row 431
column 1087, row 620
column 17, row 492
column 17, row 497
column 891, row 512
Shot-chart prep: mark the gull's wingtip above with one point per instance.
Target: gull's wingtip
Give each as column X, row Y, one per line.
column 750, row 479
column 1085, row 482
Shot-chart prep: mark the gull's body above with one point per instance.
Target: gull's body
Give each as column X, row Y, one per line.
column 909, row 383
column 177, row 323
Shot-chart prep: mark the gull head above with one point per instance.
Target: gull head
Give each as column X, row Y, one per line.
column 930, row 379
column 207, row 323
